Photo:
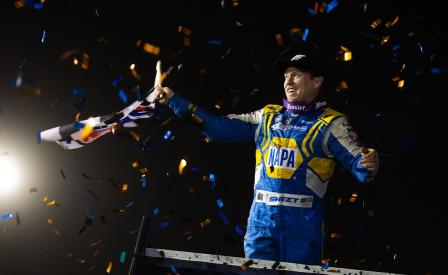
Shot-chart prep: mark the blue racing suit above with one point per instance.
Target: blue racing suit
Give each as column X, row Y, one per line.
column 295, row 158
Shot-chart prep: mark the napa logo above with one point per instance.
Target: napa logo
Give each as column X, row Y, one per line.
column 282, row 158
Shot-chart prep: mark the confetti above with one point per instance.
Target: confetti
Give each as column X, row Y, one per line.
column 143, row 181
column 239, row 230
column 50, row 221
column 438, row 70
column 331, row 6
column 117, row 80
column 305, row 34
column 32, row 189
column 129, row 204
column 353, row 197
column 78, row 91
column 155, row 211
column 6, row 216
column 220, row 203
column 62, row 174
column 182, row 165
column 163, row 224
column 184, row 30
column 223, row 218
column 109, row 267
column 123, row 96
column 336, row 236
column 95, row 243
column 168, row 135
column 173, row 269
column 205, row 222
column 124, row 187
column 122, row 256
column 44, row 34
column 347, row 56
column 278, row 39
column 149, row 48
column 392, row 22
column 57, row 232
column 246, row 265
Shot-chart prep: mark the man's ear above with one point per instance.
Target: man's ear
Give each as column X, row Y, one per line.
column 317, row 81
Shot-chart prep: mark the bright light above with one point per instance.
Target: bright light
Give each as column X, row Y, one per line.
column 9, row 174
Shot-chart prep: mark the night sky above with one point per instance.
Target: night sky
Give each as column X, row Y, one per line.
column 224, row 52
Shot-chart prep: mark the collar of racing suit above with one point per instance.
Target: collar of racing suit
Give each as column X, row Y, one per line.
column 300, row 108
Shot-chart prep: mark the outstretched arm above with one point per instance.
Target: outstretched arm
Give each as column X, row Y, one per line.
column 234, row 128
column 341, row 142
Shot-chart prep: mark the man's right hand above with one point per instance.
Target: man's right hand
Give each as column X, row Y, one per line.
column 163, row 94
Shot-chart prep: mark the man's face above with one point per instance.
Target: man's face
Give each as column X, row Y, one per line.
column 301, row 86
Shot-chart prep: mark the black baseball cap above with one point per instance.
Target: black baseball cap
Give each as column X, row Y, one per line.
column 307, row 62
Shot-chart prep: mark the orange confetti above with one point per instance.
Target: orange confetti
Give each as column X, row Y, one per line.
column 375, row 23
column 135, row 164
column 135, row 74
column 278, row 39
column 392, row 22
column 182, row 165
column 45, row 199
column 336, row 236
column 134, row 135
column 184, row 30
column 78, row 115
column 32, row 189
column 384, row 40
column 246, row 265
column 85, row 61
column 400, row 83
column 296, row 31
column 205, row 222
column 235, row 3
column 19, row 4
column 124, row 188
column 143, row 170
column 109, row 267
column 149, row 48
column 57, row 232
column 342, row 86
column 50, row 221
column 187, row 42
column 353, row 198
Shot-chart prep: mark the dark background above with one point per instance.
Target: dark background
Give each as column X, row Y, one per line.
column 396, row 224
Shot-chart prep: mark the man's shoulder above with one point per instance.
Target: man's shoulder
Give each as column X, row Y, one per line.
column 271, row 108
column 330, row 114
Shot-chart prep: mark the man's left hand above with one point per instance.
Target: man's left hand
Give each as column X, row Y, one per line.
column 370, row 159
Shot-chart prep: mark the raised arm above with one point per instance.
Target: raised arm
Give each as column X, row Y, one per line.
column 341, row 142
column 233, row 128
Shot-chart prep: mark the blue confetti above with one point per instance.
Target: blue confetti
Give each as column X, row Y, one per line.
column 122, row 256
column 6, row 216
column 173, row 269
column 420, row 47
column 78, row 91
column 224, row 219
column 163, row 224
column 123, row 96
column 220, row 203
column 215, row 42
column 212, row 180
column 189, row 238
column 90, row 193
column 168, row 135
column 325, row 265
column 129, row 204
column 155, row 211
column 438, row 70
column 238, row 230
column 117, row 80
column 311, row 11
column 143, row 181
column 78, row 125
column 305, row 34
column 44, row 34
column 331, row 5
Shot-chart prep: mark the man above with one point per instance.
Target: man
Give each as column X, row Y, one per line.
column 297, row 145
